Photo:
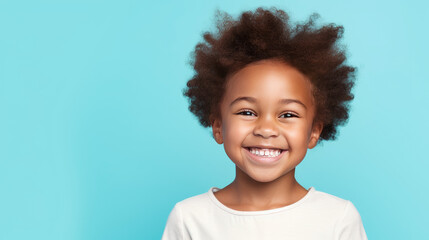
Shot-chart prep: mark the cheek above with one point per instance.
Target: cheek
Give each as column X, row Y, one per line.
column 298, row 135
column 234, row 135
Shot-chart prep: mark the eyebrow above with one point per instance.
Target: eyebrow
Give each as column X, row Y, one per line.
column 281, row 101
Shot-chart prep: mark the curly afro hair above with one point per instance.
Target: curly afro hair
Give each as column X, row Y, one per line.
column 268, row 34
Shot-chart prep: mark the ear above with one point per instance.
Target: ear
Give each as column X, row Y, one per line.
column 315, row 134
column 217, row 131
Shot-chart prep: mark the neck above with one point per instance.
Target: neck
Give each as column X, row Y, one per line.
column 266, row 195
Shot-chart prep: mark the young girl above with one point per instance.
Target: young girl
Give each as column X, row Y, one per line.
column 269, row 91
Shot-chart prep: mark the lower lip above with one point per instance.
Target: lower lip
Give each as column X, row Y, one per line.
column 264, row 160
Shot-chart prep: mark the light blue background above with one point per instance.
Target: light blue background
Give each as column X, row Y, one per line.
column 96, row 141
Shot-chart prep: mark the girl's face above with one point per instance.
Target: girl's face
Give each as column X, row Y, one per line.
column 267, row 115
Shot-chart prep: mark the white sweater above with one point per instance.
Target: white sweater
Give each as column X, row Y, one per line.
column 317, row 215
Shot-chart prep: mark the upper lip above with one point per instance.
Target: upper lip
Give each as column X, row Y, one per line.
column 264, row 147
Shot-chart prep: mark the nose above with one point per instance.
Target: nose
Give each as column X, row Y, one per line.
column 266, row 128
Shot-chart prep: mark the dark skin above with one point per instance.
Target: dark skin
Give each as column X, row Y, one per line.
column 263, row 120
column 246, row 194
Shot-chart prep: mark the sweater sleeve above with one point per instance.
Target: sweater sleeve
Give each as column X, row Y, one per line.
column 173, row 229
column 350, row 227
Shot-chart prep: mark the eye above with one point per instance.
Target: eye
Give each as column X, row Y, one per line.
column 246, row 113
column 289, row 115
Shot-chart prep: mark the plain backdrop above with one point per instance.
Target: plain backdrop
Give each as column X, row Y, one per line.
column 96, row 141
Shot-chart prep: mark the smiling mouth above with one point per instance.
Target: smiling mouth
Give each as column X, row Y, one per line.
column 265, row 152
column 265, row 156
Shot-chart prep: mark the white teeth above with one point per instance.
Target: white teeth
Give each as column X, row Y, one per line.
column 265, row 152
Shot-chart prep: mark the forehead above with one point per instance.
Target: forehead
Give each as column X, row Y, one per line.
column 269, row 80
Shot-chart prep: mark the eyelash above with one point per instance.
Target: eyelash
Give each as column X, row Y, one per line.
column 244, row 111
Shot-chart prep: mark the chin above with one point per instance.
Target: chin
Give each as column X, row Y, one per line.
column 263, row 178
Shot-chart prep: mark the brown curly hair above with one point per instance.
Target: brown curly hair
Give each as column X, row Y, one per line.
column 268, row 34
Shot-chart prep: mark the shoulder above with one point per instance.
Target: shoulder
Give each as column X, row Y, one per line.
column 195, row 206
column 331, row 207
column 327, row 202
column 183, row 213
column 342, row 206
column 348, row 223
column 197, row 201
